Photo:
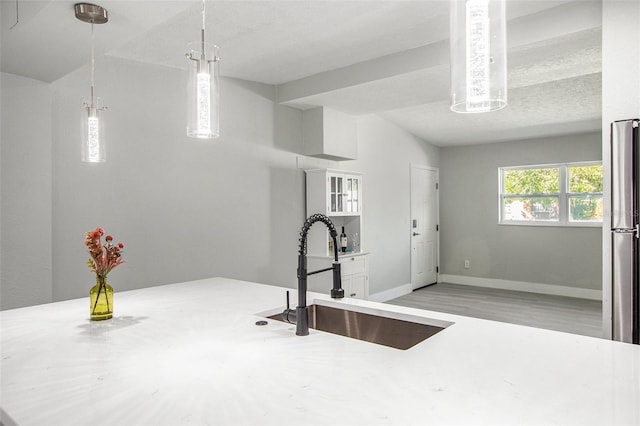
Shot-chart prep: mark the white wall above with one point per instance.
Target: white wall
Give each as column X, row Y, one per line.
column 559, row 256
column 25, row 192
column 620, row 100
column 385, row 154
column 185, row 209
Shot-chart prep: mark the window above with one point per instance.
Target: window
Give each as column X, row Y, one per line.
column 555, row 194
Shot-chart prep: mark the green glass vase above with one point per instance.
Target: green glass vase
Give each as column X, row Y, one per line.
column 101, row 300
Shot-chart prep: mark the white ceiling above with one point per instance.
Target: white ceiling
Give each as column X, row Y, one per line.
column 384, row 57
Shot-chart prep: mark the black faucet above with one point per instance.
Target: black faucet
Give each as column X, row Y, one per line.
column 301, row 315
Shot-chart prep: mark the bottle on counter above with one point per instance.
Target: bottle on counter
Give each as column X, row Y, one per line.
column 343, row 241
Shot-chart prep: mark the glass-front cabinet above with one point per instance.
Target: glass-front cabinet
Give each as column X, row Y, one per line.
column 353, row 196
column 337, row 194
column 343, row 194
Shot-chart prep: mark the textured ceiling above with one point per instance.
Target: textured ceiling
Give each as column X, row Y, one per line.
column 384, row 57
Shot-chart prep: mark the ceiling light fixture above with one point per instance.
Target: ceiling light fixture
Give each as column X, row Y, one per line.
column 93, row 136
column 478, row 55
column 203, row 90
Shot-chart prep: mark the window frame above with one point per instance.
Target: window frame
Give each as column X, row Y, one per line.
column 563, row 195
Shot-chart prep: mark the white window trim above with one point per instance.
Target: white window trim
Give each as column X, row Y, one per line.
column 563, row 196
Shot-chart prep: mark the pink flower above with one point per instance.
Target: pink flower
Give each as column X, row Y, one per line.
column 103, row 257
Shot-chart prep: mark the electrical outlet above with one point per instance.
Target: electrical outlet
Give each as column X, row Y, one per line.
column 467, row 264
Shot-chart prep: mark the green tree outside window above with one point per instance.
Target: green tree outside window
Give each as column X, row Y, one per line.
column 537, row 194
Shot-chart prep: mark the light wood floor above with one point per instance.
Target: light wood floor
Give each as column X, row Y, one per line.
column 558, row 313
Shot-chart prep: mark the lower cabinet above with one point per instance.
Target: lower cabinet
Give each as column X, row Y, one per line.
column 355, row 286
column 355, row 275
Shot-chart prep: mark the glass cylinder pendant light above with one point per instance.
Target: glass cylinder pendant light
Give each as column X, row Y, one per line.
column 93, row 126
column 478, row 55
column 203, row 89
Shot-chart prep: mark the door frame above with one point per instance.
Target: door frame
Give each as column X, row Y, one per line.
column 410, row 229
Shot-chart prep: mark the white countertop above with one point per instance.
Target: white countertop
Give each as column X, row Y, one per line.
column 191, row 354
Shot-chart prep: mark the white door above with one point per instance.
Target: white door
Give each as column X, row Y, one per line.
column 424, row 223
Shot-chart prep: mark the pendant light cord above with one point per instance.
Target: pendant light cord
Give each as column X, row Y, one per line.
column 202, row 34
column 203, row 15
column 92, row 66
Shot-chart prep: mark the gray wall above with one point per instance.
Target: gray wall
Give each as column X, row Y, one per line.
column 469, row 217
column 385, row 154
column 25, row 192
column 185, row 209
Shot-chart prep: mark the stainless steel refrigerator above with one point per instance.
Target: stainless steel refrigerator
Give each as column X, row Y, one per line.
column 625, row 230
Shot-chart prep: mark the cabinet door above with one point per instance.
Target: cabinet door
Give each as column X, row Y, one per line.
column 356, row 287
column 335, row 194
column 346, row 284
column 352, row 195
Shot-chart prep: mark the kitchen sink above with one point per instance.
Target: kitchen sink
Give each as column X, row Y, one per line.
column 394, row 332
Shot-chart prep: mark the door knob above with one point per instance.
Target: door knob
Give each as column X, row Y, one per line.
column 415, row 233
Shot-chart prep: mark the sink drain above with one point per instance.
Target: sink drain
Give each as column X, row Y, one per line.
column 261, row 322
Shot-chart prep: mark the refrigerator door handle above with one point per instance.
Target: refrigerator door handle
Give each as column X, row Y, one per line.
column 625, row 230
column 623, row 164
column 624, row 252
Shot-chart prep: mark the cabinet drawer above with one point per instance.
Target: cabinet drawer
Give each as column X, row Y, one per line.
column 352, row 265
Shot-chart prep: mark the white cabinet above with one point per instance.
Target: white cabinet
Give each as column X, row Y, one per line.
column 337, row 194
column 355, row 286
column 355, row 275
column 330, row 134
column 343, row 195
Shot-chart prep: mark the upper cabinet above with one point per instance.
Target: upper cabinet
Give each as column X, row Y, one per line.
column 330, row 134
column 343, row 194
column 337, row 194
column 334, row 192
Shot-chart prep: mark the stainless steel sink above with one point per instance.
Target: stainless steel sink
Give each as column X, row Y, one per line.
column 393, row 332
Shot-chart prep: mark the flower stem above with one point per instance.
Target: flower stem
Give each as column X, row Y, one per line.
column 102, row 285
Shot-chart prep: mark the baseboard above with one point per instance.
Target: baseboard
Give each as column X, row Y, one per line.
column 556, row 290
column 392, row 293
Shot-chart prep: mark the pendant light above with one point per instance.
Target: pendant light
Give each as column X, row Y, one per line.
column 203, row 90
column 93, row 135
column 478, row 55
